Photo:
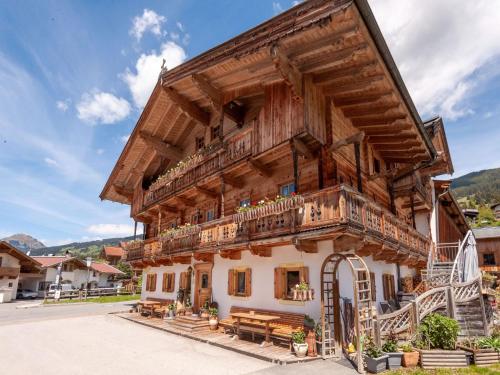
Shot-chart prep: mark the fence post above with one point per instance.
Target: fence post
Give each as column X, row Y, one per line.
column 483, row 309
column 376, row 328
column 450, row 299
column 416, row 315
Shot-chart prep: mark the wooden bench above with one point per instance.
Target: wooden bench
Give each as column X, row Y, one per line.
column 160, row 311
column 280, row 330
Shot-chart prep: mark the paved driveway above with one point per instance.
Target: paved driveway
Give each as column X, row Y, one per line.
column 84, row 339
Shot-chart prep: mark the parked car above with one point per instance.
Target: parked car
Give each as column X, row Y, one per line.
column 62, row 287
column 26, row 293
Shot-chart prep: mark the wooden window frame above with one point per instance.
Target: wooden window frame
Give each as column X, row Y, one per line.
column 280, row 280
column 215, row 132
column 212, row 211
column 280, row 187
column 200, row 143
column 168, row 282
column 389, row 284
column 492, row 263
column 232, row 282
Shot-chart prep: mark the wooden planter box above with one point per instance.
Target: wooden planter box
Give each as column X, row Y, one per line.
column 430, row 359
column 483, row 357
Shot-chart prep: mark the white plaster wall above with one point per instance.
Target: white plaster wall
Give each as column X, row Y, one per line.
column 422, row 223
column 10, row 261
column 176, row 268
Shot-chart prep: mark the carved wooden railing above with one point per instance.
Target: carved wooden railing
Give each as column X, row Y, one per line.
column 134, row 250
column 234, row 149
column 444, row 298
column 9, row 271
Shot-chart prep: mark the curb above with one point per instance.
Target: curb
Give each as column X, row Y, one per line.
column 42, row 305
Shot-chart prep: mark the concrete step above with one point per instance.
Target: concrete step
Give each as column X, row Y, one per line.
column 187, row 324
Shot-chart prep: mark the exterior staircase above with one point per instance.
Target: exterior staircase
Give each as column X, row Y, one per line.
column 189, row 323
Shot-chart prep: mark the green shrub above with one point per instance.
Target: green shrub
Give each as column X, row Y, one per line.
column 489, row 343
column 407, row 348
column 299, row 337
column 391, row 343
column 437, row 332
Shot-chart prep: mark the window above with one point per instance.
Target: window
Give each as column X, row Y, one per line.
column 151, row 282
column 285, row 279
column 168, row 282
column 376, row 165
column 194, row 219
column 245, row 202
column 200, row 143
column 210, row 215
column 240, row 282
column 216, row 132
column 204, row 281
column 287, row 189
column 94, row 274
column 389, row 287
column 489, row 259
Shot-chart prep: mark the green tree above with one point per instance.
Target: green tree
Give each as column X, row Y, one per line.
column 125, row 268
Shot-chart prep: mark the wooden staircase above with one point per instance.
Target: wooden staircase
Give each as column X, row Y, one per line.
column 189, row 323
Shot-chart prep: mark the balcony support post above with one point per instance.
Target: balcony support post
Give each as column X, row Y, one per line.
column 135, row 230
column 357, row 154
column 295, row 159
column 412, row 207
column 221, row 197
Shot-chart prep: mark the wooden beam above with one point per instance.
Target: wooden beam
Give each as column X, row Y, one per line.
column 230, row 254
column 163, row 148
column 355, row 138
column 380, row 109
column 289, row 72
column 206, row 192
column 303, row 149
column 262, row 251
column 186, row 201
column 204, row 257
column 348, row 101
column 358, row 85
column 236, row 183
column 168, row 208
column 329, row 76
column 337, row 58
column 186, row 259
column 378, row 120
column 306, row 246
column 259, row 168
column 124, row 192
column 188, row 108
column 213, row 94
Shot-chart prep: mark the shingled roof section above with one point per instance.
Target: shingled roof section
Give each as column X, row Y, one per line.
column 105, row 268
column 113, row 251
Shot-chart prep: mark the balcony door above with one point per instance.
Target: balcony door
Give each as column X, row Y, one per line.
column 203, row 285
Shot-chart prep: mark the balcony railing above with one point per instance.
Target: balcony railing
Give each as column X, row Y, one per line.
column 339, row 205
column 200, row 166
column 9, row 271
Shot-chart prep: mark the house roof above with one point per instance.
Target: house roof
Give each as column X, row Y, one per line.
column 494, row 205
column 314, row 23
column 113, row 251
column 50, row 261
column 105, row 268
column 448, row 201
column 436, row 132
column 24, row 260
column 488, row 232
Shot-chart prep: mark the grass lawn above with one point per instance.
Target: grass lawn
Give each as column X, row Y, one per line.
column 102, row 299
column 471, row 370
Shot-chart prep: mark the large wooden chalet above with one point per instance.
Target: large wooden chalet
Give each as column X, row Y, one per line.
column 256, row 163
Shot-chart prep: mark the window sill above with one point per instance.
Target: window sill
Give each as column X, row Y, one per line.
column 291, row 302
column 240, row 298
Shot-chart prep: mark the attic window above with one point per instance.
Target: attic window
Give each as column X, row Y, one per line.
column 216, row 132
column 200, row 143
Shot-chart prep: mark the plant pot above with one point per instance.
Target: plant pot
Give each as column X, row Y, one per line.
column 171, row 314
column 189, row 312
column 376, row 365
column 410, row 359
column 483, row 357
column 394, row 360
column 214, row 323
column 488, row 283
column 204, row 315
column 300, row 349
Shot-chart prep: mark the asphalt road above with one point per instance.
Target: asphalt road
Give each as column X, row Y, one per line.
column 18, row 311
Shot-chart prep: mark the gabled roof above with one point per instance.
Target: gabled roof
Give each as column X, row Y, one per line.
column 24, row 260
column 487, row 232
column 436, row 132
column 105, row 268
column 51, row 261
column 113, row 251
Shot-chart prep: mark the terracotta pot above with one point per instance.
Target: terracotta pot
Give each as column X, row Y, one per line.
column 214, row 323
column 410, row 359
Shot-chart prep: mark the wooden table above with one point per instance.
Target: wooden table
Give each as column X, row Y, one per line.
column 261, row 318
column 149, row 306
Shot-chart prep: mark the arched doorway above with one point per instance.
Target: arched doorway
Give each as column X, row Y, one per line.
column 338, row 330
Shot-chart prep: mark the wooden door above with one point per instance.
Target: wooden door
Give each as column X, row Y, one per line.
column 202, row 285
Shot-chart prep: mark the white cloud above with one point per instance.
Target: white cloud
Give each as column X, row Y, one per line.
column 180, row 26
column 439, row 47
column 103, row 108
column 277, row 8
column 185, row 39
column 63, row 105
column 124, row 138
column 174, row 35
column 50, row 161
column 488, row 114
column 149, row 21
column 111, row 230
column 296, row 2
column 142, row 81
column 99, row 151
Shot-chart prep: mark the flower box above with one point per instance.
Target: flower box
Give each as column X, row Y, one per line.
column 263, row 208
column 376, row 365
column 483, row 357
column 303, row 295
column 431, row 359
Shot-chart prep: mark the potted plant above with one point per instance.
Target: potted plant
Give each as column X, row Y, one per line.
column 410, row 355
column 485, row 351
column 437, row 340
column 376, row 359
column 391, row 348
column 189, row 308
column 299, row 343
column 171, row 310
column 213, row 319
column 488, row 280
column 204, row 311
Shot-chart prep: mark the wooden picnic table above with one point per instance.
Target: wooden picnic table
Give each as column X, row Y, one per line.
column 148, row 306
column 261, row 318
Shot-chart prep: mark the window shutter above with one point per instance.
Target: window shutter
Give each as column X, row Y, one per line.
column 153, row 286
column 386, row 287
column 248, row 282
column 277, row 283
column 172, row 282
column 147, row 283
column 183, row 280
column 373, row 287
column 393, row 286
column 230, row 282
column 164, row 284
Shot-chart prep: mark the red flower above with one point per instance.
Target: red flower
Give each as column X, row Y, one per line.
column 254, row 203
column 294, row 194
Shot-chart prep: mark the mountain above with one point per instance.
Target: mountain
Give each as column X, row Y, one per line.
column 81, row 249
column 24, row 242
column 484, row 186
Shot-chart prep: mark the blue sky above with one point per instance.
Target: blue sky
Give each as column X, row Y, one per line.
column 74, row 76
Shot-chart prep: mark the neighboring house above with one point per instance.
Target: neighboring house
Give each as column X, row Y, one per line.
column 15, row 268
column 496, row 210
column 112, row 254
column 488, row 247
column 290, row 154
column 74, row 271
column 471, row 214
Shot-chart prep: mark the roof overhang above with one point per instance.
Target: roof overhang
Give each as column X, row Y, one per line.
column 24, row 260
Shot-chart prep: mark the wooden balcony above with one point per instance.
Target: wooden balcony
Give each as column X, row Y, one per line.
column 12, row 272
column 200, row 166
column 315, row 216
